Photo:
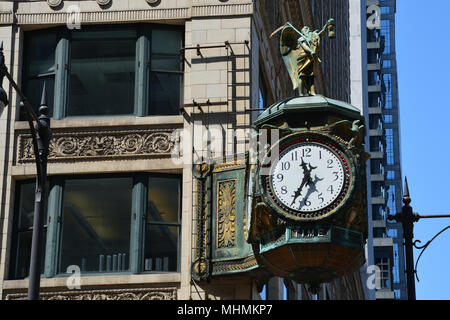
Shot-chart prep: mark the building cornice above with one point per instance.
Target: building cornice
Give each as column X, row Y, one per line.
column 173, row 15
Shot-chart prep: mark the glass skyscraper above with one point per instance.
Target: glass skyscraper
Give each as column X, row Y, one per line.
column 386, row 177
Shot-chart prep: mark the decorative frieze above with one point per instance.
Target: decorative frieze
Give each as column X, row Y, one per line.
column 102, row 145
column 105, row 16
column 227, row 266
column 113, row 294
column 222, row 10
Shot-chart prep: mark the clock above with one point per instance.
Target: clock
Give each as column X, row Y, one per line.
column 310, row 177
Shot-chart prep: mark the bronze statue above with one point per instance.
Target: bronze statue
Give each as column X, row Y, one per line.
column 300, row 51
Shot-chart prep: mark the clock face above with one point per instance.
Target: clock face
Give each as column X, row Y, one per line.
column 309, row 178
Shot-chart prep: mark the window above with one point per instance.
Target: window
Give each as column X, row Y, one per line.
column 107, row 224
column 39, row 67
column 162, row 225
column 105, row 70
column 24, row 230
column 385, row 272
column 96, row 224
column 102, row 72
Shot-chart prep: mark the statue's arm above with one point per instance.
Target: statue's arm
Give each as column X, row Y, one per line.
column 325, row 27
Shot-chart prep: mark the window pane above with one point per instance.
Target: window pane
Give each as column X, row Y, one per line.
column 33, row 89
column 96, row 224
column 161, row 248
column 22, row 268
column 40, row 53
column 27, row 194
column 163, row 199
column 166, row 45
column 102, row 73
column 165, row 94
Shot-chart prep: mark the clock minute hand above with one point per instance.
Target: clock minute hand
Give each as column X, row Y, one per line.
column 312, row 187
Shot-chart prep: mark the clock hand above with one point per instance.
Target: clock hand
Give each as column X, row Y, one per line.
column 306, row 178
column 312, row 188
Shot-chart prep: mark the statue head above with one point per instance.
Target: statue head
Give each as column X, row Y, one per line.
column 305, row 30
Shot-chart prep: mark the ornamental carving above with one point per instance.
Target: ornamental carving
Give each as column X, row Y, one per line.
column 54, row 3
column 100, row 145
column 114, row 294
column 103, row 2
column 226, row 213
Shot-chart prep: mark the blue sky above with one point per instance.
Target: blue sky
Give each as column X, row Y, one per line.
column 423, row 59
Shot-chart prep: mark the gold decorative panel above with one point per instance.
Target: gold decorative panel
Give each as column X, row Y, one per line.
column 226, row 213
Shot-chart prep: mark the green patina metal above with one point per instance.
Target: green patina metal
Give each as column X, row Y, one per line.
column 312, row 234
column 313, row 108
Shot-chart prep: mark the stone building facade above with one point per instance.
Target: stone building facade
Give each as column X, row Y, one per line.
column 132, row 85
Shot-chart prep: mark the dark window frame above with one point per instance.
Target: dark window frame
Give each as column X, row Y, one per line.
column 54, row 224
column 143, row 70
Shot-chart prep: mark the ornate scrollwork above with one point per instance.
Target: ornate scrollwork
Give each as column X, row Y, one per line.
column 226, row 213
column 102, row 145
column 113, row 294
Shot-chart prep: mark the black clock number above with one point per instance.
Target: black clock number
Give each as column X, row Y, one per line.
column 280, row 177
column 307, row 203
column 294, row 156
column 285, row 165
column 330, row 188
column 283, row 190
column 319, row 197
column 306, row 152
column 336, row 176
column 330, row 164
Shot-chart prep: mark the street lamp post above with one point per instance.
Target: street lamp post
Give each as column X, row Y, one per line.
column 41, row 135
column 407, row 218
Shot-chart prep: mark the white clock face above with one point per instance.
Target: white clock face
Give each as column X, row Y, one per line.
column 308, row 177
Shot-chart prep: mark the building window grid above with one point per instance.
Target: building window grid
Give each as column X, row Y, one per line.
column 385, row 272
column 108, row 264
column 161, row 78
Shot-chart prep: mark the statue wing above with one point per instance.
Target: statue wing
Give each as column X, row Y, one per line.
column 288, row 45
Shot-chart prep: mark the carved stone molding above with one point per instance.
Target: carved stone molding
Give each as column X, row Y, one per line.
column 105, row 16
column 222, row 10
column 102, row 145
column 6, row 17
column 112, row 294
column 157, row 13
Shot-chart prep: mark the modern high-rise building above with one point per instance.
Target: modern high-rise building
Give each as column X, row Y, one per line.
column 131, row 86
column 384, row 136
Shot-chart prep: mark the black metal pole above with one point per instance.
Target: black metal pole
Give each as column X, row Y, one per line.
column 41, row 135
column 43, row 140
column 407, row 219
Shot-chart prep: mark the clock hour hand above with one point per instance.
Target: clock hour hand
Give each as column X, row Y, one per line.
column 306, row 178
